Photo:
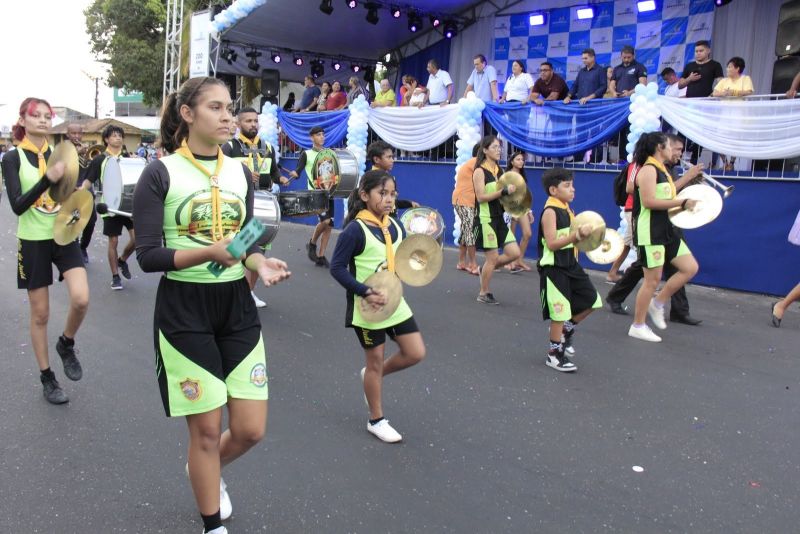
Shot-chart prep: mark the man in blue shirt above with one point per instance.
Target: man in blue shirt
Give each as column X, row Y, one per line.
column 310, row 95
column 626, row 76
column 483, row 80
column 591, row 83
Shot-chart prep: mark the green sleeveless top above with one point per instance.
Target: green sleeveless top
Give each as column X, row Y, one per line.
column 187, row 212
column 491, row 210
column 370, row 261
column 36, row 224
column 311, row 156
column 653, row 227
column 565, row 256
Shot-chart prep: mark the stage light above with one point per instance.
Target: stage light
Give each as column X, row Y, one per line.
column 317, row 69
column 585, row 13
column 253, row 63
column 396, row 13
column 326, row 6
column 229, row 55
column 352, row 4
column 336, row 65
column 414, row 21
column 276, row 57
column 372, row 12
column 537, row 19
column 450, row 29
column 435, row 21
column 298, row 60
column 646, row 5
column 720, row 3
column 355, row 68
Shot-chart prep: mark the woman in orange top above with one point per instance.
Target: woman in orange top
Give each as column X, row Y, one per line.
column 464, row 204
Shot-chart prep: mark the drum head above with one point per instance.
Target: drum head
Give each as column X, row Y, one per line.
column 325, row 171
column 425, row 221
column 709, row 206
column 349, row 173
column 131, row 169
column 267, row 210
column 111, row 183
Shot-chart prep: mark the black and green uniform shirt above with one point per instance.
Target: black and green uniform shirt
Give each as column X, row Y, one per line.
column 268, row 171
column 172, row 211
column 306, row 163
column 653, row 227
column 492, row 210
column 565, row 256
column 28, row 195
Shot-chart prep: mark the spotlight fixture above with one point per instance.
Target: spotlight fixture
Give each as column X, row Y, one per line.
column 317, row 69
column 450, row 29
column 646, row 5
column 253, row 63
column 720, row 3
column 414, row 21
column 336, row 65
column 585, row 13
column 395, row 11
column 355, row 68
column 435, row 21
column 352, row 4
column 326, row 6
column 537, row 19
column 276, row 57
column 229, row 55
column 372, row 12
column 298, row 60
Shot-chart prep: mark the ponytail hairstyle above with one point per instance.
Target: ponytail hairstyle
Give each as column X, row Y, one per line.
column 647, row 145
column 369, row 181
column 173, row 128
column 27, row 107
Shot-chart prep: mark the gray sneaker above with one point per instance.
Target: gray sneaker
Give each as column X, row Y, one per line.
column 72, row 367
column 52, row 390
column 488, row 298
column 116, row 283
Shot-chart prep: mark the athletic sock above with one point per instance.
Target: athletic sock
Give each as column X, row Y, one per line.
column 659, row 305
column 210, row 522
column 555, row 346
column 375, row 421
column 569, row 326
column 47, row 373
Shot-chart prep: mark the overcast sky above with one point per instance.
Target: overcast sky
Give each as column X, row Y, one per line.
column 46, row 48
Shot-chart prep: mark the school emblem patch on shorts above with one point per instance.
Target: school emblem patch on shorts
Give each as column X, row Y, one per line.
column 491, row 238
column 191, row 389
column 558, row 307
column 657, row 255
column 258, row 375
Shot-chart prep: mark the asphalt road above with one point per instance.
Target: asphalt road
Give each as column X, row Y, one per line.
column 495, row 441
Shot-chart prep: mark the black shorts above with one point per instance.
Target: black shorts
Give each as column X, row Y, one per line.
column 327, row 215
column 35, row 260
column 208, row 345
column 566, row 292
column 492, row 235
column 112, row 226
column 376, row 338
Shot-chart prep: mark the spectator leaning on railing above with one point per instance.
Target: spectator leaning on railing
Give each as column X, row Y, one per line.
column 518, row 85
column 735, row 84
column 549, row 86
column 385, row 97
column 440, row 85
column 483, row 80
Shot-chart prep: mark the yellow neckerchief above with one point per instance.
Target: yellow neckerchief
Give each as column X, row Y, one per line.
column 216, row 209
column 660, row 166
column 485, row 165
column 254, row 146
column 554, row 202
column 111, row 154
column 368, row 216
column 28, row 145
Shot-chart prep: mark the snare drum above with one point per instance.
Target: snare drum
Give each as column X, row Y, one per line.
column 118, row 182
column 303, row 203
column 267, row 210
column 131, row 171
column 335, row 171
column 426, row 221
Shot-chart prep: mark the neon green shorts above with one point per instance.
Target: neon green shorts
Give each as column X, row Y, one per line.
column 653, row 256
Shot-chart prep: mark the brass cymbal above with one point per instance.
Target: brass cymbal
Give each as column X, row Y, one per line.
column 515, row 179
column 609, row 250
column 64, row 151
column 418, row 260
column 708, row 207
column 386, row 282
column 595, row 238
column 517, row 210
column 73, row 217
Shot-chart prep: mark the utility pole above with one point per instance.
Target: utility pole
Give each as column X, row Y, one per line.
column 96, row 80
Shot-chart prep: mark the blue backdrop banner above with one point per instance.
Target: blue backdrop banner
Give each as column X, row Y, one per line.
column 297, row 126
column 557, row 129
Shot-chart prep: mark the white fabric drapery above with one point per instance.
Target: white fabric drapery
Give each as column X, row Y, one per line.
column 757, row 129
column 412, row 128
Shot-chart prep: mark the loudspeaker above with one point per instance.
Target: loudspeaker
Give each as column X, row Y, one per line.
column 271, row 83
column 230, row 81
column 788, row 39
column 783, row 72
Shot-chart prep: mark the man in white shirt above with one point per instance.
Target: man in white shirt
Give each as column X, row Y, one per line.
column 671, row 78
column 483, row 80
column 440, row 85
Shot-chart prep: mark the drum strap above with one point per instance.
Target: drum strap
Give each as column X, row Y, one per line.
column 216, row 209
column 368, row 216
column 28, row 145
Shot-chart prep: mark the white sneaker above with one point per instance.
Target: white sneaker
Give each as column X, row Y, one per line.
column 364, row 370
column 225, row 506
column 644, row 333
column 657, row 315
column 259, row 303
column 384, row 431
column 218, row 530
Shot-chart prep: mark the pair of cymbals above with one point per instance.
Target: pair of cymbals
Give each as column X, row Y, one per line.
column 708, row 207
column 520, row 188
column 517, row 210
column 609, row 250
column 73, row 217
column 67, row 153
column 598, row 230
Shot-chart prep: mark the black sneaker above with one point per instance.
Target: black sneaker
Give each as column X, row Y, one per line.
column 116, row 283
column 488, row 298
column 559, row 362
column 52, row 390
column 567, row 340
column 312, row 252
column 323, row 262
column 123, row 267
column 72, row 367
column 85, row 255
